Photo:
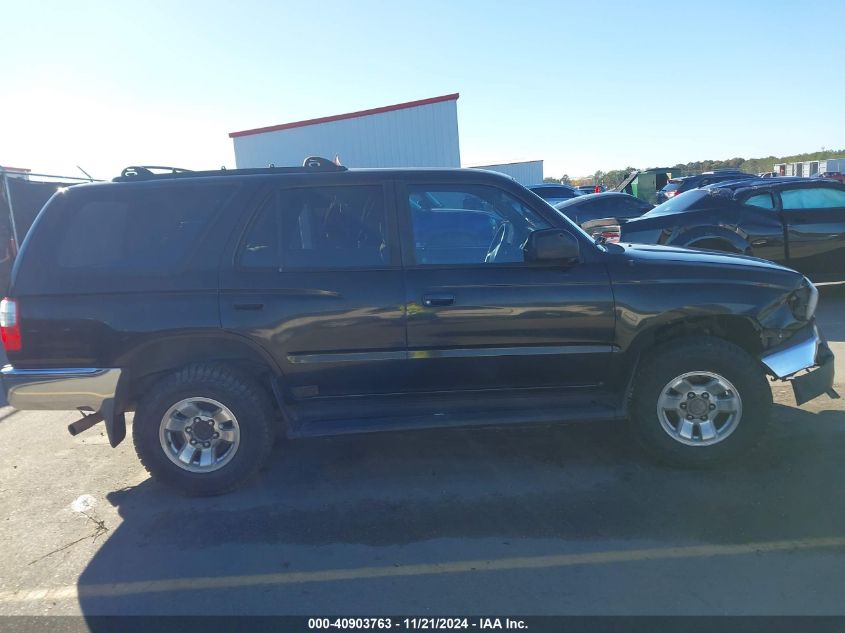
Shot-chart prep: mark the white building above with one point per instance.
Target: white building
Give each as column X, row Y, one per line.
column 414, row 134
column 810, row 167
column 528, row 172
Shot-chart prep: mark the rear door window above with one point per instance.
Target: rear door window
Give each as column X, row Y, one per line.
column 332, row 227
column 812, row 198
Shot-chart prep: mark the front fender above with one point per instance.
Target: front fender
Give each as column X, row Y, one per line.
column 662, row 294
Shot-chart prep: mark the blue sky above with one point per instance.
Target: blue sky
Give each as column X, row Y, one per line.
column 582, row 85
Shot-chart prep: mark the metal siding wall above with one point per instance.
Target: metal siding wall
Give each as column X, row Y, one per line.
column 832, row 164
column 424, row 136
column 526, row 173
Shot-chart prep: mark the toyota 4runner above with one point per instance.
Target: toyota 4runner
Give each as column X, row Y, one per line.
column 227, row 307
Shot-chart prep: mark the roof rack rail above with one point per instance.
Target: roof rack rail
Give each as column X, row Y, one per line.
column 148, row 172
column 137, row 171
column 323, row 164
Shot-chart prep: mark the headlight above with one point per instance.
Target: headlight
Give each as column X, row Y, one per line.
column 803, row 301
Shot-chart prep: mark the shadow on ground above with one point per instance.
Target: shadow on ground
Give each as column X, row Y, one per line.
column 566, row 483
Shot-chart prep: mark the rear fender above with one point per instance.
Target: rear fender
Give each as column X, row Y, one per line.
column 143, row 365
column 691, row 237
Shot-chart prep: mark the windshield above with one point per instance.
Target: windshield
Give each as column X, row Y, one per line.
column 678, row 204
column 673, row 185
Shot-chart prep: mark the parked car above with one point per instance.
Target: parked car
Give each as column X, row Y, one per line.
column 797, row 222
column 555, row 193
column 591, row 211
column 226, row 307
column 586, row 189
column 832, row 175
column 677, row 186
column 602, row 205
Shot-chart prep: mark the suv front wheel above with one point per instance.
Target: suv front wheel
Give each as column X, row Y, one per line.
column 698, row 401
column 204, row 430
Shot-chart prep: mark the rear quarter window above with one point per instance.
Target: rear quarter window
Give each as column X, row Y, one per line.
column 145, row 231
column 119, row 232
column 762, row 200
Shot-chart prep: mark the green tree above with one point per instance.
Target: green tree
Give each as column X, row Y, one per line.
column 549, row 179
column 565, row 180
column 612, row 178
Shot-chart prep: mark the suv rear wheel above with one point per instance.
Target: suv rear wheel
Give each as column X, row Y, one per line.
column 204, row 430
column 699, row 401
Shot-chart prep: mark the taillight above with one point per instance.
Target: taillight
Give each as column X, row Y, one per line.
column 611, row 236
column 10, row 326
column 670, row 194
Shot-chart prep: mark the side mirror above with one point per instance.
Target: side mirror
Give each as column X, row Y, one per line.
column 550, row 245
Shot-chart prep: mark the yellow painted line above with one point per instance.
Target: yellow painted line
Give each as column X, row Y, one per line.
column 105, row 590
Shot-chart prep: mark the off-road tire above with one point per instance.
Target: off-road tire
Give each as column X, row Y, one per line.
column 238, row 392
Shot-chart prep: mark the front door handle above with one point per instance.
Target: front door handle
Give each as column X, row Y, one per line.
column 438, row 299
column 249, row 306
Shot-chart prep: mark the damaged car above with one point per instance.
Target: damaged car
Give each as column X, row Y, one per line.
column 796, row 222
column 224, row 308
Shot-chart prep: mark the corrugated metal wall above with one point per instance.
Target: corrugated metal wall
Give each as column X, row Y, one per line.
column 809, row 168
column 525, row 173
column 832, row 164
column 420, row 136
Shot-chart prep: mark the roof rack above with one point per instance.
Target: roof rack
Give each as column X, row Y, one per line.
column 149, row 172
column 138, row 171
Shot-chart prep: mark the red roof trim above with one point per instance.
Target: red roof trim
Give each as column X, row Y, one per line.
column 349, row 115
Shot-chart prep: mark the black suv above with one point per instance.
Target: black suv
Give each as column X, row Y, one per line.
column 677, row 186
column 227, row 307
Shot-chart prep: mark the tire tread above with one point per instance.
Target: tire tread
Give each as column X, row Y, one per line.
column 735, row 364
column 213, row 376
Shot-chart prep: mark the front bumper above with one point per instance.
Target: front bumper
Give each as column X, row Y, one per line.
column 806, row 350
column 60, row 389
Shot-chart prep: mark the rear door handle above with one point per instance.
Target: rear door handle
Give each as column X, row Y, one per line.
column 438, row 299
column 249, row 306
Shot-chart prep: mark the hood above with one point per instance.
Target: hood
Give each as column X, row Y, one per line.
column 651, row 253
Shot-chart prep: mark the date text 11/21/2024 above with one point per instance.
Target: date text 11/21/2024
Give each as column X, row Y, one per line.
column 424, row 623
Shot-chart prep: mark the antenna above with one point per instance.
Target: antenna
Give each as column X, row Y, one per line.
column 84, row 172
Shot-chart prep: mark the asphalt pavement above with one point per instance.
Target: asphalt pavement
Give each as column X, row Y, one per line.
column 562, row 520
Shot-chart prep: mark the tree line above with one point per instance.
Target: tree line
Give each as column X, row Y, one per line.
column 613, row 177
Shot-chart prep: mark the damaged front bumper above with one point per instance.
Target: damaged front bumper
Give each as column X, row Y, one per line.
column 805, row 350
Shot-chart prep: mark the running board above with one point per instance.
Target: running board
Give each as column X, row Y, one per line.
column 432, row 420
